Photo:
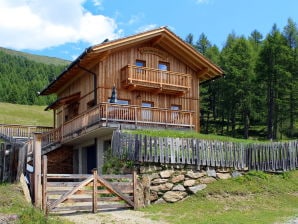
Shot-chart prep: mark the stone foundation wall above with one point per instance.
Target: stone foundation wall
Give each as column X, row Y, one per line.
column 162, row 184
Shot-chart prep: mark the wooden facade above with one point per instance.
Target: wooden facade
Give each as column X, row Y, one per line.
column 155, row 74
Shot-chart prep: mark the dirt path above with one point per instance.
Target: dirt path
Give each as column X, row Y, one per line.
column 114, row 217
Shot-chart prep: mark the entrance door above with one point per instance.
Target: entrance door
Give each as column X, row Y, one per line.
column 91, row 158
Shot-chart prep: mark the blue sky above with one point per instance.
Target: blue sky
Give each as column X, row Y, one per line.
column 64, row 28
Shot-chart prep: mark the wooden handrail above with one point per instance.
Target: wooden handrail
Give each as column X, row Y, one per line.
column 106, row 113
column 169, row 81
column 22, row 131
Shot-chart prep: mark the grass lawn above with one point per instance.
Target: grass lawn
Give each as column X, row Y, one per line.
column 254, row 198
column 25, row 115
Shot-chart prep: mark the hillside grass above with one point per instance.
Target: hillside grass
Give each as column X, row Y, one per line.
column 251, row 199
column 188, row 134
column 36, row 58
column 25, row 115
column 12, row 202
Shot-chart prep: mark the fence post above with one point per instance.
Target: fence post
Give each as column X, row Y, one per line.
column 37, row 170
column 44, row 183
column 134, row 179
column 2, row 159
column 94, row 195
column 22, row 161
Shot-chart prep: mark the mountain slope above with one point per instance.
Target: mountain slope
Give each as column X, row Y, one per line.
column 36, row 58
column 23, row 75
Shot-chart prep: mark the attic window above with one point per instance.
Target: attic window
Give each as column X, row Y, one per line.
column 140, row 63
column 165, row 66
column 90, row 104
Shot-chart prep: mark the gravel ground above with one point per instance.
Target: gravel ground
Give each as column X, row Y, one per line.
column 113, row 217
column 125, row 217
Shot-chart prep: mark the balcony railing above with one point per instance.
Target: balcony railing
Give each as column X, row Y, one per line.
column 106, row 114
column 15, row 131
column 143, row 78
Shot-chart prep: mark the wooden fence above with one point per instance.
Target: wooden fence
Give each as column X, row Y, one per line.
column 87, row 192
column 279, row 156
column 13, row 160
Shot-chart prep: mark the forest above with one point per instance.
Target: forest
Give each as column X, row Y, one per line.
column 257, row 97
column 21, row 78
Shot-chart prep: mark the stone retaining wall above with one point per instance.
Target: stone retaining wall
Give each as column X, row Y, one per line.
column 161, row 184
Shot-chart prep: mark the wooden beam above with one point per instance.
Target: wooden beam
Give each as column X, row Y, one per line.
column 203, row 72
column 44, row 183
column 104, row 55
column 157, row 40
column 37, row 170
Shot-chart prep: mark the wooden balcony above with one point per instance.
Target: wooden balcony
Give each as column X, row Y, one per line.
column 155, row 80
column 112, row 115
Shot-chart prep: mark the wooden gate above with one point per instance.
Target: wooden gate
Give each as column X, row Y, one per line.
column 87, row 192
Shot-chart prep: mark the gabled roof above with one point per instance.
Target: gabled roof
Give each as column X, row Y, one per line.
column 161, row 37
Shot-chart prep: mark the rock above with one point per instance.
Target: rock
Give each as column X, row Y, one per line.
column 236, row 174
column 160, row 201
column 154, row 176
column 149, row 169
column 159, row 181
column 177, row 179
column 162, row 187
column 207, row 180
column 173, row 196
column 211, row 172
column 193, row 175
column 166, row 173
column 178, row 187
column 197, row 188
column 223, row 176
column 189, row 183
column 153, row 196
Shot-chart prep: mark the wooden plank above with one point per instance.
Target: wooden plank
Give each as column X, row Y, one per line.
column 114, row 190
column 62, row 184
column 117, row 176
column 66, row 195
column 37, row 171
column 134, row 180
column 68, row 176
column 44, row 183
column 94, row 193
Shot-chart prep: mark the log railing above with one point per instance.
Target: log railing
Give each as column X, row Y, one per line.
column 135, row 77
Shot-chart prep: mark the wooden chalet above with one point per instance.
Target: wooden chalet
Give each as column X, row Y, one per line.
column 150, row 79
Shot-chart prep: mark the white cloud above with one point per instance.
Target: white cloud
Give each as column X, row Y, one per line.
column 146, row 28
column 38, row 24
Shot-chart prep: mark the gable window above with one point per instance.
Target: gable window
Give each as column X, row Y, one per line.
column 146, row 111
column 140, row 63
column 164, row 66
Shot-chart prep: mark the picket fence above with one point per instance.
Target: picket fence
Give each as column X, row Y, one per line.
column 271, row 156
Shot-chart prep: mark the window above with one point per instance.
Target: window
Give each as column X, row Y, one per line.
column 165, row 67
column 140, row 63
column 147, row 113
column 72, row 111
column 121, row 102
column 175, row 114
